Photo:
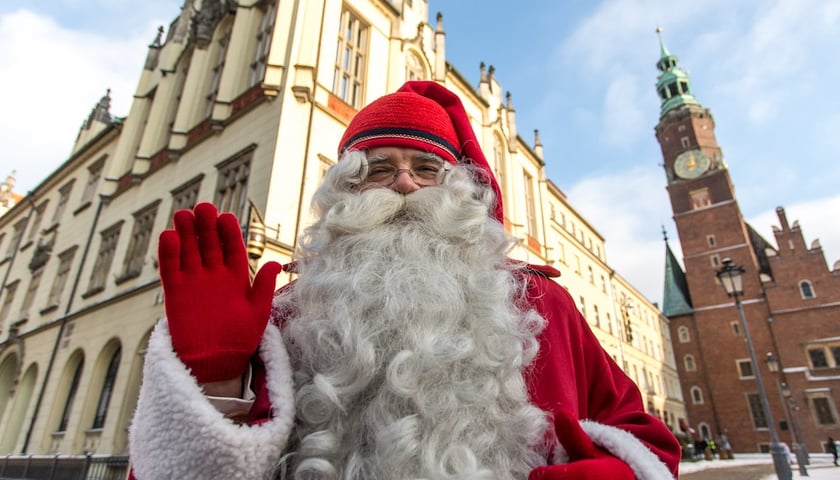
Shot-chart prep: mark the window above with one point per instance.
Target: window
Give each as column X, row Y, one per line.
column 609, row 324
column 823, row 410
column 690, row 365
column 530, row 205
column 29, row 297
column 700, row 198
column 350, row 60
column 583, row 306
column 63, row 197
column 684, row 140
column 7, row 301
column 756, row 410
column 745, row 369
column 714, row 260
column 683, row 335
column 257, row 72
column 577, row 264
column 94, row 173
column 835, row 354
column 36, row 223
column 736, row 328
column 65, row 262
column 218, row 67
column 696, row 395
column 71, row 396
column 138, row 245
column 232, row 186
column 17, row 234
column 107, row 390
column 185, row 196
column 603, row 284
column 806, row 289
column 414, row 69
column 710, row 240
column 705, row 431
column 818, row 357
column 498, row 158
column 591, row 274
column 102, row 265
column 597, row 316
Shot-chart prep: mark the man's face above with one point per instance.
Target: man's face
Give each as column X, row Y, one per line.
column 403, row 170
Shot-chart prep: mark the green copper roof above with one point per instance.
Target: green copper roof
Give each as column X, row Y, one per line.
column 673, row 85
column 676, row 300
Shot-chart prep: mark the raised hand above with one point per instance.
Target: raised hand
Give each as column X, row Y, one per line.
column 586, row 461
column 216, row 315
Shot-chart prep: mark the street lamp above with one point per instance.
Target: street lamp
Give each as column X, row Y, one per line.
column 731, row 276
column 789, row 404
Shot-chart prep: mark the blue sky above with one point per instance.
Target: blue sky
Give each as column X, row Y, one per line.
column 582, row 72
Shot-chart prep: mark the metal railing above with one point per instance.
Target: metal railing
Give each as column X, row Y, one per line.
column 63, row 467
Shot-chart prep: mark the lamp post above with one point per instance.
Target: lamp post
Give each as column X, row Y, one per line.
column 731, row 276
column 789, row 404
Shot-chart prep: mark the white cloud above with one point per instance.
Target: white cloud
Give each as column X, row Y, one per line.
column 52, row 78
column 628, row 208
column 624, row 118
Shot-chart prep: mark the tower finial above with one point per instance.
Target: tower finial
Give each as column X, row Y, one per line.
column 664, row 234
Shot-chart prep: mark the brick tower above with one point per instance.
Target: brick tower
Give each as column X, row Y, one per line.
column 789, row 318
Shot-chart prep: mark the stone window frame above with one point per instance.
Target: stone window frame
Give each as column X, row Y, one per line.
column 351, row 58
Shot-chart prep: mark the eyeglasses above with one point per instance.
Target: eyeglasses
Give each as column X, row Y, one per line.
column 425, row 174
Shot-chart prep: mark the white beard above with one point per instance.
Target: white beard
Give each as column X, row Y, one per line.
column 407, row 343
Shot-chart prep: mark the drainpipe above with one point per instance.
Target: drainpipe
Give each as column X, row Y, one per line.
column 309, row 127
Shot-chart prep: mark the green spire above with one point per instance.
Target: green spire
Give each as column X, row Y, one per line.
column 676, row 300
column 673, row 84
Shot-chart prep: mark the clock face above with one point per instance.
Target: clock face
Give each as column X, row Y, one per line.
column 691, row 164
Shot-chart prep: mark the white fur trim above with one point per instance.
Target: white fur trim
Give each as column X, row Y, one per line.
column 177, row 434
column 624, row 445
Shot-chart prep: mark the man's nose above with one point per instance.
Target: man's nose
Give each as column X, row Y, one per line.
column 403, row 183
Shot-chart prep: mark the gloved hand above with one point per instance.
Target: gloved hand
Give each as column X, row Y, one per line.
column 216, row 316
column 586, row 461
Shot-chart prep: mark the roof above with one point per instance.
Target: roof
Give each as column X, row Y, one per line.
column 676, row 299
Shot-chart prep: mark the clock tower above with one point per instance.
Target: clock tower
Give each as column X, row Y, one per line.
column 708, row 344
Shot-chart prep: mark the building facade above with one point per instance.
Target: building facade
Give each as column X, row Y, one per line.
column 791, row 299
column 242, row 104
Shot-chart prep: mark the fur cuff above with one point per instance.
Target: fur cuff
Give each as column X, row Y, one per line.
column 177, row 434
column 623, row 445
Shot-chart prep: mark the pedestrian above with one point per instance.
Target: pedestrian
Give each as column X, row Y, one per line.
column 409, row 345
column 725, row 447
column 832, row 449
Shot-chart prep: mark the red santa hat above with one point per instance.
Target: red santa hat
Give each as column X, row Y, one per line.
column 426, row 116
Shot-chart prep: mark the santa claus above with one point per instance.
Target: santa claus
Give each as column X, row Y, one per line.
column 409, row 346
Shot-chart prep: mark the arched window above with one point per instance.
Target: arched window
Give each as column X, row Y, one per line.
column 414, row 68
column 107, row 389
column 690, row 365
column 683, row 335
column 696, row 395
column 705, row 431
column 71, row 396
column 806, row 289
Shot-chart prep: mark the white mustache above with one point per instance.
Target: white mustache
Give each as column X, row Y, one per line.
column 447, row 210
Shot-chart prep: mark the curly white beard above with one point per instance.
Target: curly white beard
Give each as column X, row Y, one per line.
column 406, row 340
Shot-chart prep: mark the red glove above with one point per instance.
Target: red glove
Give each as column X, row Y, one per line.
column 586, row 461
column 216, row 317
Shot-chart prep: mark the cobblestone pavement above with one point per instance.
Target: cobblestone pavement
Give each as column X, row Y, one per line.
column 736, row 472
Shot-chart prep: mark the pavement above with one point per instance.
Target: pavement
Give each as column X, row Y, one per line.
column 821, row 466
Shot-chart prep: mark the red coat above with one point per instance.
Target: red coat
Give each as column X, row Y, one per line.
column 572, row 372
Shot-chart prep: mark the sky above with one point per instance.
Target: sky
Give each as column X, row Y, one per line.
column 581, row 71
